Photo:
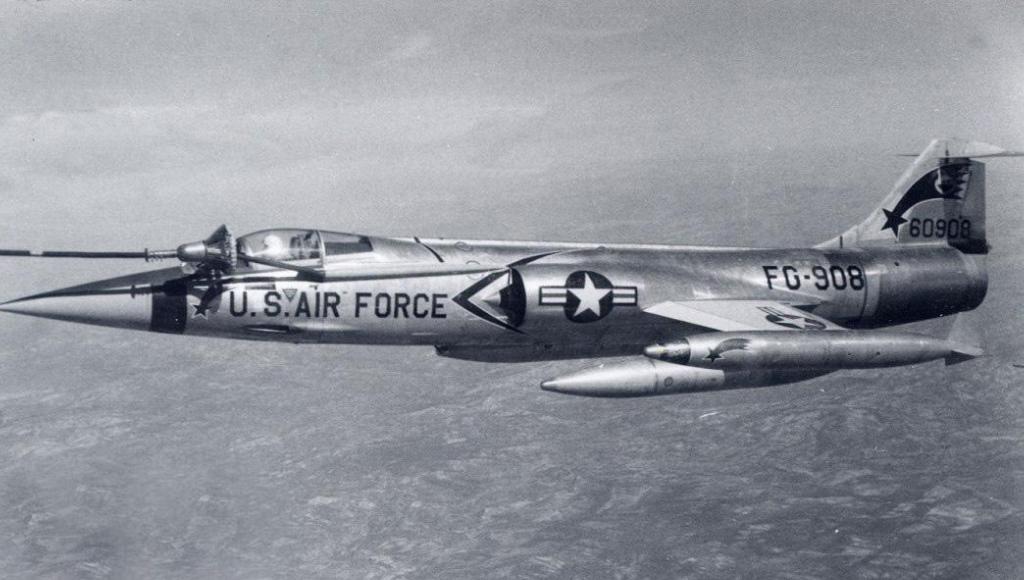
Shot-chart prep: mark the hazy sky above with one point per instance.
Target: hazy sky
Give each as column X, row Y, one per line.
column 164, row 120
column 136, row 124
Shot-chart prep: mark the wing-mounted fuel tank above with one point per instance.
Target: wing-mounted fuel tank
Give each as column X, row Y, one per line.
column 648, row 377
column 825, row 349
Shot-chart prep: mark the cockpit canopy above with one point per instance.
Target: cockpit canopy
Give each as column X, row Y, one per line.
column 288, row 245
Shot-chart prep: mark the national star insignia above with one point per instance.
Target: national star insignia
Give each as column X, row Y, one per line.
column 589, row 296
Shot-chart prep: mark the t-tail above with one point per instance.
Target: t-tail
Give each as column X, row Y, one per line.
column 940, row 199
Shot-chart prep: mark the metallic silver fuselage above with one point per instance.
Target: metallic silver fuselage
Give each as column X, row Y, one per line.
column 854, row 287
column 530, row 302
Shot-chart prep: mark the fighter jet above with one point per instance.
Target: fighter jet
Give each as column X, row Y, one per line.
column 683, row 318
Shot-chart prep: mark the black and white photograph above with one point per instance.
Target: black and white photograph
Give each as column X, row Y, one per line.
column 502, row 289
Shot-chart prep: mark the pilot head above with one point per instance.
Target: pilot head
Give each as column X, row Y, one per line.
column 273, row 246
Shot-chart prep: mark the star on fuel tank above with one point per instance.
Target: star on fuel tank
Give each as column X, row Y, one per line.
column 589, row 296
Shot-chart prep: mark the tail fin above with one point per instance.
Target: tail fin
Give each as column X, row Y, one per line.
column 940, row 198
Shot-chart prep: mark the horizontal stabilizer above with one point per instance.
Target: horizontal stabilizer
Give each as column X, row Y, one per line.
column 955, row 148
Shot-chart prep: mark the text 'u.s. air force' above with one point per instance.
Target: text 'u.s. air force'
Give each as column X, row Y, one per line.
column 274, row 304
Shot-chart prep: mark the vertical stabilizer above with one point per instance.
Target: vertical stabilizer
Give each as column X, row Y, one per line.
column 939, row 199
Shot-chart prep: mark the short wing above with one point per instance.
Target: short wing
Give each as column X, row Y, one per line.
column 738, row 315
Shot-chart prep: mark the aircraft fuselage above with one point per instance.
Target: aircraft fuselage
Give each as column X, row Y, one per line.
column 551, row 301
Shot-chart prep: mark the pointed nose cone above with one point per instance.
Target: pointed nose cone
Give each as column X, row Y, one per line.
column 553, row 385
column 103, row 309
column 125, row 302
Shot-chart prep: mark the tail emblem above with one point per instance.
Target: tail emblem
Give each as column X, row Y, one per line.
column 945, row 182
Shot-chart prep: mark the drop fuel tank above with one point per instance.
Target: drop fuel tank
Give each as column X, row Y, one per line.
column 824, row 349
column 645, row 377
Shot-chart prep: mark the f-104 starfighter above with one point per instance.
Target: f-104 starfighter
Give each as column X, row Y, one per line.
column 681, row 318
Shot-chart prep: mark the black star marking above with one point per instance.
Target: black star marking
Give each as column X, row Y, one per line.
column 213, row 291
column 200, row 310
column 893, row 221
